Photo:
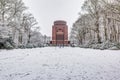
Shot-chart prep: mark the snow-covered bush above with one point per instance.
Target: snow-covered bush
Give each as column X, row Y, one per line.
column 107, row 45
column 115, row 47
column 104, row 45
column 6, row 43
column 29, row 46
column 118, row 45
column 21, row 46
column 90, row 44
column 41, row 45
column 96, row 46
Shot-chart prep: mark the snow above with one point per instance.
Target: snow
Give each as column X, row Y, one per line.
column 53, row 63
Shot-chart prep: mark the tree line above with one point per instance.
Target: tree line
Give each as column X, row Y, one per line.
column 18, row 27
column 98, row 23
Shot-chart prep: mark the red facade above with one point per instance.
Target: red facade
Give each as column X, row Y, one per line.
column 60, row 33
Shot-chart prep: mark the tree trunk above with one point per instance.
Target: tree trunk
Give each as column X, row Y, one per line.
column 97, row 27
column 98, row 32
column 105, row 29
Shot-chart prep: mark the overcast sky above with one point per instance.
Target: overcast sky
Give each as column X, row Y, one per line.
column 47, row 11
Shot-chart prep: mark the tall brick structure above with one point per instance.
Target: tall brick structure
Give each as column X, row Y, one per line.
column 60, row 33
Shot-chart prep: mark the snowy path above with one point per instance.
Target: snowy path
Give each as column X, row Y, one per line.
column 59, row 64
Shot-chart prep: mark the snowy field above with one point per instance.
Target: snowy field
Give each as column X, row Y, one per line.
column 52, row 63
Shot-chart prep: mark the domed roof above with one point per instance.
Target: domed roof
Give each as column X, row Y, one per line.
column 60, row 22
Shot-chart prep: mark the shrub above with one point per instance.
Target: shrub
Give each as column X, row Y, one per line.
column 29, row 46
column 21, row 46
column 6, row 43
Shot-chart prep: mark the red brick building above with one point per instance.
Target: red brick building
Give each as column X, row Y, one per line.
column 60, row 33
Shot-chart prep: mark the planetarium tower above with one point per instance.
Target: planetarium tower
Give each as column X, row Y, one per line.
column 60, row 33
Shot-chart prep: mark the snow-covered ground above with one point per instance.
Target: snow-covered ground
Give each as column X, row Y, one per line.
column 52, row 63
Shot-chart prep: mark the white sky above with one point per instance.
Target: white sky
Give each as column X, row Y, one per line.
column 47, row 11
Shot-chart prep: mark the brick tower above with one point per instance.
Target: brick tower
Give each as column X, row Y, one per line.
column 60, row 33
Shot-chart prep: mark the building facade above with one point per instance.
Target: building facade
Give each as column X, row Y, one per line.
column 60, row 33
